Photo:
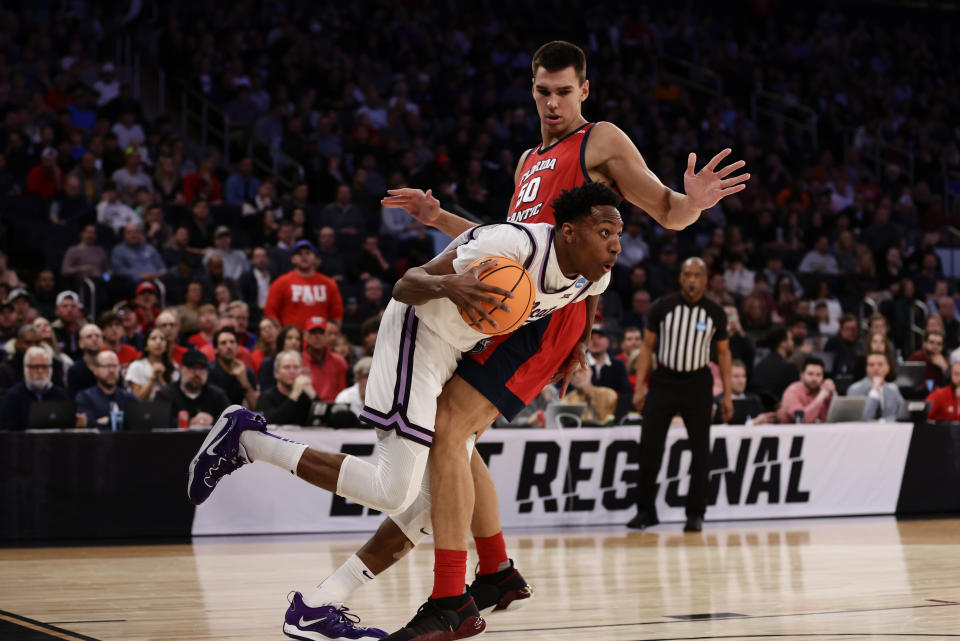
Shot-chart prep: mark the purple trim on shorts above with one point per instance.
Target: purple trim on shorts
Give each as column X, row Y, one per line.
column 398, row 422
column 406, row 357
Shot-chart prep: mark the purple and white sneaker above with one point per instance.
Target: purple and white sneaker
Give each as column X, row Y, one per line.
column 221, row 452
column 325, row 623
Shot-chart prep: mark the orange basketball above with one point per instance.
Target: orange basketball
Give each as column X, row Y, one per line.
column 511, row 276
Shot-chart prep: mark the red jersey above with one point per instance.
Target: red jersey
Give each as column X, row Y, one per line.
column 547, row 172
column 293, row 299
column 511, row 372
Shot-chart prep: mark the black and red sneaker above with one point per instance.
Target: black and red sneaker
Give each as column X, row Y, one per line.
column 446, row 619
column 501, row 591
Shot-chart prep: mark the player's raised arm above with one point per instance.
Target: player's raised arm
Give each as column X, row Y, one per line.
column 613, row 154
column 438, row 279
column 426, row 209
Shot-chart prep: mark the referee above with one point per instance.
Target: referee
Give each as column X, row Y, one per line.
column 686, row 324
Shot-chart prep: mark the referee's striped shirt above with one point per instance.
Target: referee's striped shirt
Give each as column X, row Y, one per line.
column 685, row 331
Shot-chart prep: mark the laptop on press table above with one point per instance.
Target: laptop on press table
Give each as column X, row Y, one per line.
column 846, row 409
column 143, row 417
column 47, row 415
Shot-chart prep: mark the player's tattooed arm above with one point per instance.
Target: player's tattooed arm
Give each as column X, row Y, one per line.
column 438, row 279
column 426, row 209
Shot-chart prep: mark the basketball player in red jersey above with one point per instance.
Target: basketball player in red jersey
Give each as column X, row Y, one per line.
column 508, row 372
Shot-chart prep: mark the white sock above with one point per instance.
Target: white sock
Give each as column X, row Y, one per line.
column 264, row 446
column 338, row 587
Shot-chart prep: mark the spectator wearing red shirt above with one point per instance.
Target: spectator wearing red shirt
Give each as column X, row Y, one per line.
column 59, row 95
column 811, row 395
column 46, row 179
column 931, row 353
column 146, row 308
column 112, row 327
column 243, row 354
column 168, row 323
column 328, row 370
column 207, row 315
column 302, row 294
column 945, row 404
column 202, row 183
column 632, row 338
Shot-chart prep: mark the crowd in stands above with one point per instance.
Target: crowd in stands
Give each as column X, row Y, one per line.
column 214, row 283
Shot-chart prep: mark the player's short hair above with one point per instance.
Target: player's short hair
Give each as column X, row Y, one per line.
column 558, row 55
column 576, row 203
column 813, row 360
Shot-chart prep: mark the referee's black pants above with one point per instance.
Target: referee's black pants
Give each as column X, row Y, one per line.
column 689, row 395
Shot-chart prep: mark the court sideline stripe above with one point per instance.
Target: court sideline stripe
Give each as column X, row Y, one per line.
column 43, row 627
column 809, row 634
column 938, row 604
column 790, row 634
column 87, row 621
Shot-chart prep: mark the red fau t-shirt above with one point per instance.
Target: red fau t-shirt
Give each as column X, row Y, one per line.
column 293, row 299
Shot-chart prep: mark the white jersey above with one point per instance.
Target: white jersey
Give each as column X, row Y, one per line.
column 419, row 348
column 531, row 245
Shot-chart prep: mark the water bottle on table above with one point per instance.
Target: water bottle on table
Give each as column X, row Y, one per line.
column 116, row 418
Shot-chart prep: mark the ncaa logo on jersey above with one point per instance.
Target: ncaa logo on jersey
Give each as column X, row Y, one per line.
column 701, row 326
column 481, row 345
column 580, row 282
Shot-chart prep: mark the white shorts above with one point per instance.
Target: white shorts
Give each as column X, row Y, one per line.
column 415, row 522
column 411, row 364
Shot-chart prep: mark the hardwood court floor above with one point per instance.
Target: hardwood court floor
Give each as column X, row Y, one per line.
column 800, row 579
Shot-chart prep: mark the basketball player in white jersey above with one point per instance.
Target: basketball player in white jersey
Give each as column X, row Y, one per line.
column 559, row 88
column 421, row 339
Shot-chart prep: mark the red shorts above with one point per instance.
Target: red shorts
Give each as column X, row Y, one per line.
column 511, row 370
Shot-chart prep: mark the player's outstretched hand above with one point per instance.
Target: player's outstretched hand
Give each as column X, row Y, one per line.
column 705, row 188
column 475, row 297
column 422, row 206
column 576, row 360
